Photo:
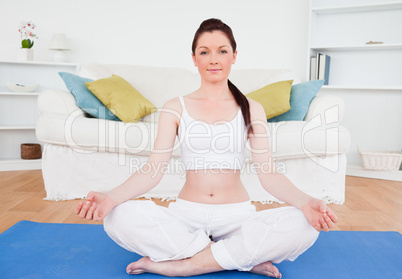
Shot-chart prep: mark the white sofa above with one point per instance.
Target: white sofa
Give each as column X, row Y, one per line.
column 82, row 153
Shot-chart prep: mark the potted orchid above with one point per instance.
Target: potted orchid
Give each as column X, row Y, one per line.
column 27, row 30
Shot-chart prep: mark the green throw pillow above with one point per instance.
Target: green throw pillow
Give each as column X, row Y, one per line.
column 121, row 98
column 274, row 97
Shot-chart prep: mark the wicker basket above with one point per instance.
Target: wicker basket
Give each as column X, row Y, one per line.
column 31, row 151
column 381, row 160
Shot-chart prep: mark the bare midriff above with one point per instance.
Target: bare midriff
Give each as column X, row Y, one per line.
column 214, row 186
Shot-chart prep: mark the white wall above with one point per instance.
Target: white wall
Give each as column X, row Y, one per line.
column 269, row 34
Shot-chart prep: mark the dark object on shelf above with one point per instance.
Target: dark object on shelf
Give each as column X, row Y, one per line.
column 31, row 151
column 313, row 68
column 323, row 67
column 319, row 67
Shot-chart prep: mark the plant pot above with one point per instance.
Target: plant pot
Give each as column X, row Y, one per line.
column 26, row 54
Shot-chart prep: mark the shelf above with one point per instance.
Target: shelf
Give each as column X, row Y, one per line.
column 45, row 63
column 358, row 8
column 361, row 88
column 359, row 47
column 19, row 93
column 17, row 127
column 20, row 109
column 5, row 91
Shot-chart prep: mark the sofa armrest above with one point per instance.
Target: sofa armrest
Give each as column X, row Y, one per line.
column 326, row 109
column 57, row 102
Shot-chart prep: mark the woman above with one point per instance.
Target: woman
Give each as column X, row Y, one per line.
column 212, row 226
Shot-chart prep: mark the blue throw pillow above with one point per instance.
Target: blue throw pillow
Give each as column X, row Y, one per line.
column 84, row 98
column 300, row 98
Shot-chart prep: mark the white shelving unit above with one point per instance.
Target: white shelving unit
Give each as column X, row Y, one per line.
column 358, row 47
column 384, row 6
column 362, row 88
column 19, row 111
column 367, row 76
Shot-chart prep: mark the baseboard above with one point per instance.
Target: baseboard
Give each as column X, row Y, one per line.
column 387, row 175
column 20, row 164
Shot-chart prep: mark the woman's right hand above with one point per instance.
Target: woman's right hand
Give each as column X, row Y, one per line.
column 97, row 206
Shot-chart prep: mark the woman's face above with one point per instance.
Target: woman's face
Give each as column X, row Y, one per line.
column 214, row 56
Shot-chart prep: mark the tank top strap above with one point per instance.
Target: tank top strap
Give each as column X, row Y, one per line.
column 182, row 102
column 183, row 113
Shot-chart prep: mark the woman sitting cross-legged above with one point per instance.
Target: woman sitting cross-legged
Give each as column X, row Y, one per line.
column 213, row 225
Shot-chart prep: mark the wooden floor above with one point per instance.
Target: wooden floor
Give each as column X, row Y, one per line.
column 371, row 204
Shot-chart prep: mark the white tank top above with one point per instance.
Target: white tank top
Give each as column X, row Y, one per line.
column 212, row 146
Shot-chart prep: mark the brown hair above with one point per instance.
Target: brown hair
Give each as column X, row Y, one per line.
column 214, row 24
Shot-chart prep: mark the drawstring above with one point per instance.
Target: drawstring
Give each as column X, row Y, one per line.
column 209, row 226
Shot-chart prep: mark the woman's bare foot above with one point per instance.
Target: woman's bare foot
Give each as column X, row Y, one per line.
column 267, row 269
column 167, row 268
column 201, row 263
column 140, row 266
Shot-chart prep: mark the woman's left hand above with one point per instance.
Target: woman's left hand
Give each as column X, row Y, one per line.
column 319, row 215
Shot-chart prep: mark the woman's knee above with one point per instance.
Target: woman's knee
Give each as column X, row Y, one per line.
column 146, row 229
column 287, row 239
column 304, row 233
column 116, row 214
column 306, row 227
column 120, row 219
column 132, row 224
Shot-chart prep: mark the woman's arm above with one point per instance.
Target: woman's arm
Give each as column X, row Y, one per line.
column 98, row 205
column 271, row 180
column 278, row 184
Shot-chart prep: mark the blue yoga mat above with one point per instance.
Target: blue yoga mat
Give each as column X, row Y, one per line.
column 42, row 250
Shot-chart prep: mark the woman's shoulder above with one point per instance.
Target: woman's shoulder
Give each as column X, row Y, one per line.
column 172, row 102
column 175, row 103
column 173, row 107
column 176, row 100
column 254, row 105
column 256, row 109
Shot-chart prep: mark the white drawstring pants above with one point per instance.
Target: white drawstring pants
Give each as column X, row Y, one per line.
column 243, row 237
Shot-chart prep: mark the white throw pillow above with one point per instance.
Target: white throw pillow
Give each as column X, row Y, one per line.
column 95, row 71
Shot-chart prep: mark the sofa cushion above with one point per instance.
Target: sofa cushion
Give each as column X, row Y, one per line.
column 273, row 97
column 300, row 98
column 328, row 108
column 84, row 98
column 57, row 102
column 301, row 139
column 121, row 98
column 288, row 139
